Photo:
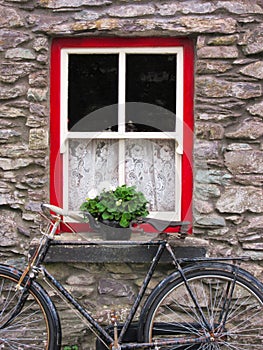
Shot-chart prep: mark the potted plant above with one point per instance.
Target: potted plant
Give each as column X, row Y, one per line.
column 115, row 210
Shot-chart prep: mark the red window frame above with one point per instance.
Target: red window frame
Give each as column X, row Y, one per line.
column 56, row 174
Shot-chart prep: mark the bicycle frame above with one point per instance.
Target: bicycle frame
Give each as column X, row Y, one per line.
column 35, row 267
column 162, row 245
column 133, row 310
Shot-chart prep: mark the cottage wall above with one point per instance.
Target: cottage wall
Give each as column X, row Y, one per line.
column 228, row 166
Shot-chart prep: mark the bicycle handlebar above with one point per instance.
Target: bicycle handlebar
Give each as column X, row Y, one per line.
column 62, row 212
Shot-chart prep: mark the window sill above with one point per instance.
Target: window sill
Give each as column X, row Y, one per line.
column 66, row 248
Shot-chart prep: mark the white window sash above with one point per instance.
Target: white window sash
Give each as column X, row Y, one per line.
column 178, row 135
column 121, row 134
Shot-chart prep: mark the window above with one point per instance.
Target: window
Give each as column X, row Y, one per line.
column 121, row 112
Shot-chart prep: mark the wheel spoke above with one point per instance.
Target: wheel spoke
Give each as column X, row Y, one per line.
column 175, row 315
column 29, row 329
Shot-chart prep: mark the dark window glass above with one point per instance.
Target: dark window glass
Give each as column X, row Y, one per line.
column 92, row 92
column 150, row 92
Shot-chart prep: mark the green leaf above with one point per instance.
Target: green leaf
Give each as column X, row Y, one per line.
column 124, row 222
column 83, row 206
column 107, row 216
column 100, row 207
column 132, row 206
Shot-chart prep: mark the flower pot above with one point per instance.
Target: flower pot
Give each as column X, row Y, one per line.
column 112, row 231
column 109, row 230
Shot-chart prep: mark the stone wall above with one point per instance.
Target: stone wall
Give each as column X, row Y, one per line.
column 228, row 148
column 228, row 206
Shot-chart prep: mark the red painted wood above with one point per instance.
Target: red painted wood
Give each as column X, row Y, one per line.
column 56, row 169
column 187, row 161
column 56, row 174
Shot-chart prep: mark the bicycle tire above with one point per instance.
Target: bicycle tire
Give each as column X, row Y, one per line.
column 36, row 326
column 171, row 313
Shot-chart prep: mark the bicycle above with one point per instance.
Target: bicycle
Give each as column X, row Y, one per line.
column 206, row 303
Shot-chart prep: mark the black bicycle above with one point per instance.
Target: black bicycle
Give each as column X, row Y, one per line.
column 204, row 304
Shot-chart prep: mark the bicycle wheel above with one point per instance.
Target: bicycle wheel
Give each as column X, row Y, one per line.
column 37, row 324
column 173, row 314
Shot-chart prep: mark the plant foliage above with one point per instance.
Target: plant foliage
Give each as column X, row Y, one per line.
column 124, row 204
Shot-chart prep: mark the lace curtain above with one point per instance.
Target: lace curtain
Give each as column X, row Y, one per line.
column 149, row 165
column 91, row 162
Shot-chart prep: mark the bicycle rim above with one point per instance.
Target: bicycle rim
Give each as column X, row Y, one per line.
column 174, row 314
column 32, row 327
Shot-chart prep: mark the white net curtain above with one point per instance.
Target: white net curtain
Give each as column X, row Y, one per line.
column 147, row 164
column 90, row 163
column 150, row 166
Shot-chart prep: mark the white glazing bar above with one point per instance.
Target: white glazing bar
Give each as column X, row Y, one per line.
column 178, row 186
column 66, row 176
column 121, row 92
column 179, row 100
column 121, row 115
column 121, row 164
column 116, row 135
column 104, row 50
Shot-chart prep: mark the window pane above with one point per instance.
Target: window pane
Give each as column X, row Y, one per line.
column 151, row 83
column 92, row 163
column 92, row 92
column 150, row 166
